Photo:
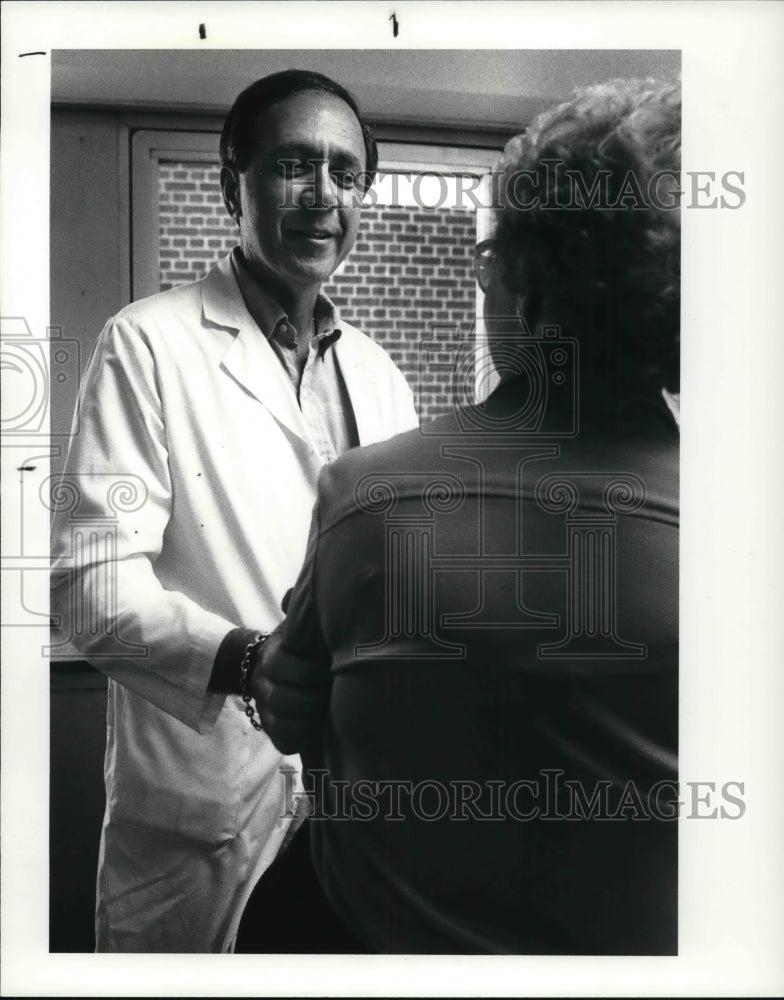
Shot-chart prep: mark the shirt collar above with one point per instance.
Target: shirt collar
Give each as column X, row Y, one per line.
column 268, row 314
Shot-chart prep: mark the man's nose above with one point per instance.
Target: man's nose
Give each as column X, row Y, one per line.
column 322, row 192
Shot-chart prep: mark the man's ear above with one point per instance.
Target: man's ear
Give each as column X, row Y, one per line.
column 231, row 192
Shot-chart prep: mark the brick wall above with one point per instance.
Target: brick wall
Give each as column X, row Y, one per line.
column 407, row 282
column 194, row 229
column 410, row 272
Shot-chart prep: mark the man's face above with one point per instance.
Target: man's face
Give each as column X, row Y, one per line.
column 298, row 219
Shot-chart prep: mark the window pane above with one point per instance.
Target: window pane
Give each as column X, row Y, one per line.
column 194, row 229
column 409, row 281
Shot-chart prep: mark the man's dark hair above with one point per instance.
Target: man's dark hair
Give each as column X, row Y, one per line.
column 239, row 136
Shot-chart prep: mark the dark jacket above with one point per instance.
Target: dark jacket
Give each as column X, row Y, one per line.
column 498, row 607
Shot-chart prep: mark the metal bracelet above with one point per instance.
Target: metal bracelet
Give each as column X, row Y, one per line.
column 245, row 675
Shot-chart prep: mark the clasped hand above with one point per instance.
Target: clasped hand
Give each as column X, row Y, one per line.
column 291, row 694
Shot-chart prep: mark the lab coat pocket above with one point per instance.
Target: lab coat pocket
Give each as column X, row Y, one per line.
column 168, row 778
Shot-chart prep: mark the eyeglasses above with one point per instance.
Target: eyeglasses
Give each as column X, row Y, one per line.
column 484, row 261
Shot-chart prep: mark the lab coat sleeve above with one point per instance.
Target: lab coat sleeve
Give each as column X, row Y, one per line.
column 295, row 669
column 111, row 509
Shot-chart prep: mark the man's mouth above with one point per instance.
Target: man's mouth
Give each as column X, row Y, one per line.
column 321, row 235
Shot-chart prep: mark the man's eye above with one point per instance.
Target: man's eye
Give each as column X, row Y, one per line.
column 345, row 178
column 292, row 168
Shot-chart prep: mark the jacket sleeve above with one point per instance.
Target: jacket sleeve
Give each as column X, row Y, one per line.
column 296, row 670
column 111, row 509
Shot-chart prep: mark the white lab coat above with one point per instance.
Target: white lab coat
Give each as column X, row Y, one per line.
column 186, row 404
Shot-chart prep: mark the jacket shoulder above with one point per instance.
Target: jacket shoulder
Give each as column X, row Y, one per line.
column 364, row 348
column 163, row 305
column 414, row 451
column 398, row 464
column 168, row 324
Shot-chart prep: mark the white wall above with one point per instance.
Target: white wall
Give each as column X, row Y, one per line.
column 492, row 88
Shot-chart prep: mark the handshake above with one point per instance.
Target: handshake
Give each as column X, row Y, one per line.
column 290, row 685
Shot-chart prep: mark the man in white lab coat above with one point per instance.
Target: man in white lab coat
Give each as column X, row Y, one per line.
column 205, row 415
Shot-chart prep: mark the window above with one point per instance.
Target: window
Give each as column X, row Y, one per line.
column 408, row 283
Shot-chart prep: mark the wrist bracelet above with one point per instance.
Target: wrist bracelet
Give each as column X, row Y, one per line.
column 245, row 675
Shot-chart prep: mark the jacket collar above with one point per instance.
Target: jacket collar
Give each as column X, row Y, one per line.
column 249, row 359
column 365, row 394
column 252, row 363
column 268, row 314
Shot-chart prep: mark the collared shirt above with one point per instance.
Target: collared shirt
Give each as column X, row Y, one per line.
column 319, row 387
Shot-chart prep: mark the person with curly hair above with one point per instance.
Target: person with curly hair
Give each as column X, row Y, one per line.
column 479, row 663
column 597, row 247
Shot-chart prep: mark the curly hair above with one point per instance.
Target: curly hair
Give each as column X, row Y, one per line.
column 589, row 224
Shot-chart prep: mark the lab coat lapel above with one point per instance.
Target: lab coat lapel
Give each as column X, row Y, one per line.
column 361, row 386
column 249, row 359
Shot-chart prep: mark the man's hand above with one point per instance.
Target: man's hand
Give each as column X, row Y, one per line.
column 291, row 694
